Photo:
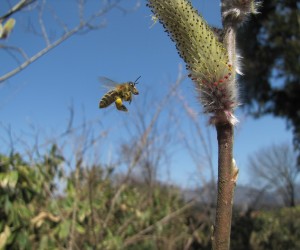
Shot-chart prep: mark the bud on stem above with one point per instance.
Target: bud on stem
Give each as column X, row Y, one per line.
column 6, row 29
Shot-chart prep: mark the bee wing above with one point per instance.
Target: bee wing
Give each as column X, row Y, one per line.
column 108, row 83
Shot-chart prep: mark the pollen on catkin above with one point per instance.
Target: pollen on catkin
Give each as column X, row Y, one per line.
column 205, row 56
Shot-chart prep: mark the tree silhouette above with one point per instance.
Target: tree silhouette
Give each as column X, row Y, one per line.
column 276, row 167
column 270, row 45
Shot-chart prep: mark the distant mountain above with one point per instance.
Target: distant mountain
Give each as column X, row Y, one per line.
column 244, row 197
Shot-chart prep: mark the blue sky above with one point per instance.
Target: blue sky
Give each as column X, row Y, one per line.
column 124, row 49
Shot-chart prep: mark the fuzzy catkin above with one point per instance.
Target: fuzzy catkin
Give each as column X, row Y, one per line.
column 205, row 57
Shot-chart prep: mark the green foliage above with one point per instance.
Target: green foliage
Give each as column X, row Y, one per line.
column 267, row 230
column 270, row 45
column 24, row 190
column 242, row 228
column 93, row 211
column 277, row 229
column 96, row 210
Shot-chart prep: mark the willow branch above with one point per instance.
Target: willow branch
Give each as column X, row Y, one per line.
column 82, row 25
column 227, row 173
column 234, row 12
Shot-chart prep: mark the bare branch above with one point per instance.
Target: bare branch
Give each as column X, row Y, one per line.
column 41, row 21
column 162, row 221
column 276, row 167
column 84, row 25
column 72, row 241
column 56, row 18
column 19, row 6
column 39, row 54
column 81, row 10
column 8, row 49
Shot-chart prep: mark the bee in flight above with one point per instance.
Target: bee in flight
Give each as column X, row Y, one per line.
column 119, row 93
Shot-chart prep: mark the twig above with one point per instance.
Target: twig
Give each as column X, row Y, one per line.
column 233, row 14
column 163, row 221
column 113, row 203
column 20, row 5
column 42, row 25
column 82, row 24
column 91, row 197
column 39, row 54
column 226, row 184
column 72, row 241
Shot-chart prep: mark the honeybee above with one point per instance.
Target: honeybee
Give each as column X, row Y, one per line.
column 120, row 92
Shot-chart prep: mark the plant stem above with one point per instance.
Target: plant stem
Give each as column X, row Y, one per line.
column 227, row 173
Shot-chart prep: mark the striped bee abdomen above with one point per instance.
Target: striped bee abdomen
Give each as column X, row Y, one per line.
column 108, row 99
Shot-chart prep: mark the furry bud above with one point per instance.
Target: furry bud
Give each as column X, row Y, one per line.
column 7, row 28
column 235, row 12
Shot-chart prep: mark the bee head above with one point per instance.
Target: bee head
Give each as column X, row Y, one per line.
column 133, row 89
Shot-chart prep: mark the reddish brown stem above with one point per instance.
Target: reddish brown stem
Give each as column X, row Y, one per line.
column 226, row 183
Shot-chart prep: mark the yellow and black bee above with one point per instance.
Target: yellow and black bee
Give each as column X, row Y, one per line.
column 120, row 92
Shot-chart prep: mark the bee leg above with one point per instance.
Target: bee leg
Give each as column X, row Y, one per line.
column 130, row 99
column 122, row 108
column 119, row 105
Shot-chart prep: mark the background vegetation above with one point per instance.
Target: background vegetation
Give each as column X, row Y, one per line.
column 43, row 207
